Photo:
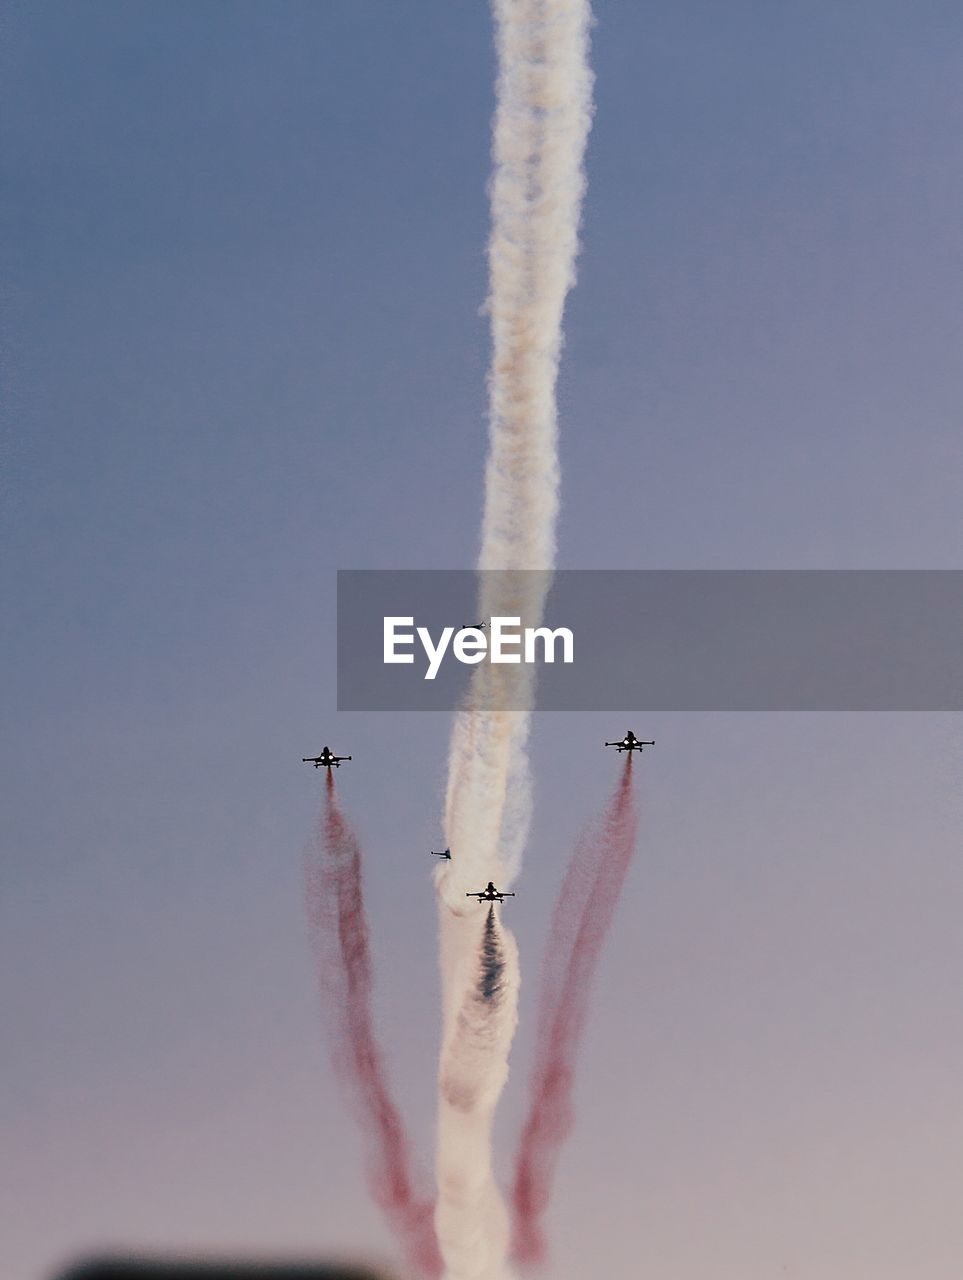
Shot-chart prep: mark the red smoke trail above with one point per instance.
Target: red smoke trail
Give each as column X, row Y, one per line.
column 583, row 913
column 339, row 929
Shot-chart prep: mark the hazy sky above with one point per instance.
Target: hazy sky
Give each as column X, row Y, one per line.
column 244, row 267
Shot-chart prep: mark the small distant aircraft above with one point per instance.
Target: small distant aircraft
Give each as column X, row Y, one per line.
column 474, row 626
column 327, row 758
column 630, row 743
column 446, row 854
column 490, row 894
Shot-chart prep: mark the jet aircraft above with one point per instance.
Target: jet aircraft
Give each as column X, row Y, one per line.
column 630, row 743
column 446, row 854
column 490, row 894
column 327, row 758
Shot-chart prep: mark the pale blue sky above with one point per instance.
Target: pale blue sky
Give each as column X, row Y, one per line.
column 244, row 261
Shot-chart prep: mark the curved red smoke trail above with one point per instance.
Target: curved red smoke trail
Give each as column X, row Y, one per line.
column 339, row 930
column 583, row 913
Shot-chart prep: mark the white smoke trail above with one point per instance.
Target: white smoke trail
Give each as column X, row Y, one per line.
column 542, row 118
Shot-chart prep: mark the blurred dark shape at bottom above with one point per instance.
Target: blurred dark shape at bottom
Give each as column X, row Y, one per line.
column 114, row 1268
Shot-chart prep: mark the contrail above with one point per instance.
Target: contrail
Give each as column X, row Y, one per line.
column 581, row 920
column 339, row 930
column 542, row 117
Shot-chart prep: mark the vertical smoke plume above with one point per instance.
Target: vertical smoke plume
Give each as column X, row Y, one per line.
column 339, row 930
column 583, row 913
column 471, row 1219
column 542, row 118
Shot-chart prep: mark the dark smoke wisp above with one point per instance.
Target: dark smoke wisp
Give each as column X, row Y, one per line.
column 580, row 923
column 492, row 963
column 339, row 930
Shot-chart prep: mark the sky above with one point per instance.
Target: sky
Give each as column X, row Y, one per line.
column 244, row 266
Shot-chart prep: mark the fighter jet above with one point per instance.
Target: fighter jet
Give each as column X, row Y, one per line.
column 326, row 758
column 474, row 626
column 630, row 743
column 490, row 894
column 446, row 854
